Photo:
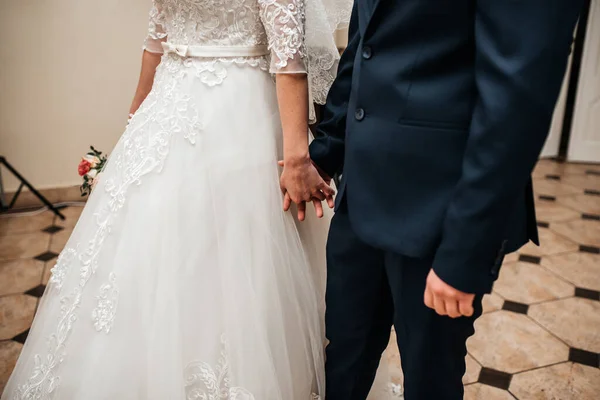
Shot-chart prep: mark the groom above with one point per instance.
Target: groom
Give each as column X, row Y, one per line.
column 438, row 115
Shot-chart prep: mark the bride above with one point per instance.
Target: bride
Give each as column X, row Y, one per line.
column 183, row 277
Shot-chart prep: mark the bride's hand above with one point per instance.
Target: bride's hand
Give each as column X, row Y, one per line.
column 301, row 182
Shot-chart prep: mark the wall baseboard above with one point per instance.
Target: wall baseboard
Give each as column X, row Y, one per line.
column 54, row 195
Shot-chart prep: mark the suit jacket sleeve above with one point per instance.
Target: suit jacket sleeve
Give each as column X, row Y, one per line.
column 327, row 150
column 522, row 49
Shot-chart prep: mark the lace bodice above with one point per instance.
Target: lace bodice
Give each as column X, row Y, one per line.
column 289, row 36
column 278, row 24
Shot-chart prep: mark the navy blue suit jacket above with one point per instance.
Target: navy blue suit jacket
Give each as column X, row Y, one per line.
column 437, row 117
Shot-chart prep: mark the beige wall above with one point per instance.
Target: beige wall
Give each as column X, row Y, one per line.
column 68, row 69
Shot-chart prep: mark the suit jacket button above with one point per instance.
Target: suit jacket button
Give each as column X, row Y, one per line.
column 359, row 114
column 367, row 52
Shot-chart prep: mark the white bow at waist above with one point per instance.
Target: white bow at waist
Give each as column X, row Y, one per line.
column 183, row 50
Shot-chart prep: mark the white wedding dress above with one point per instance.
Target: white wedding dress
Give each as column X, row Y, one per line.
column 184, row 279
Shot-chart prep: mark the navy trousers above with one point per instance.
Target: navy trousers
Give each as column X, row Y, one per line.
column 368, row 290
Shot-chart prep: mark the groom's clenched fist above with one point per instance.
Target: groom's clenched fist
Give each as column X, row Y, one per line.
column 446, row 300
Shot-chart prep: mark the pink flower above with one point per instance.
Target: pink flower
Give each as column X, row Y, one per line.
column 84, row 167
column 92, row 159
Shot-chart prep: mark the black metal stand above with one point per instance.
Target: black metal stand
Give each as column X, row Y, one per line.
column 577, row 49
column 4, row 206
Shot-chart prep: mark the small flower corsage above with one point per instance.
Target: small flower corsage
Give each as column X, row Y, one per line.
column 89, row 168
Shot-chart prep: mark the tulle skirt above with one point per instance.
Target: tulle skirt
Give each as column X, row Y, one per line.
column 184, row 279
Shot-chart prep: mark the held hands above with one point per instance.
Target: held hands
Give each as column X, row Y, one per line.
column 446, row 300
column 302, row 182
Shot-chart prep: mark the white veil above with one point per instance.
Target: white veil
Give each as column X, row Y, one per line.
column 322, row 19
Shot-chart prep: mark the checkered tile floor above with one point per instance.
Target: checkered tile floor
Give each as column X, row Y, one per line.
column 539, row 337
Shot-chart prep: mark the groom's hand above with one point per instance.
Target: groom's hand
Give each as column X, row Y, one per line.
column 446, row 300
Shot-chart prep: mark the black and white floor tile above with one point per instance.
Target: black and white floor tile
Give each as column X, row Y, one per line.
column 539, row 337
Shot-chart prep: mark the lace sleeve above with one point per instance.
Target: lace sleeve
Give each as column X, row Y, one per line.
column 283, row 21
column 156, row 30
column 301, row 40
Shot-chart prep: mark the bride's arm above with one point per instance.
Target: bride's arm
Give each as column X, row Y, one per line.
column 151, row 57
column 292, row 96
column 149, row 63
column 284, row 24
